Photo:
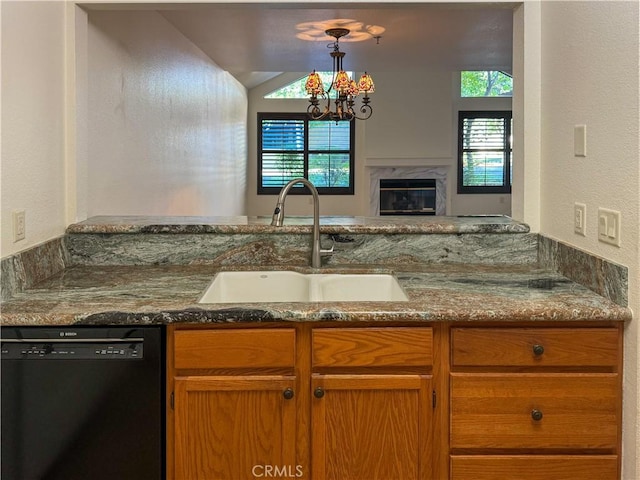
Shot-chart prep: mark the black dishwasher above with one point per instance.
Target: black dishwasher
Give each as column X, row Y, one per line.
column 82, row 403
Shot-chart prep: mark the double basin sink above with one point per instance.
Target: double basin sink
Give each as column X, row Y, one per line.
column 286, row 286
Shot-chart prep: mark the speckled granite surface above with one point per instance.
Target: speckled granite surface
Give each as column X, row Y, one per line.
column 602, row 276
column 297, row 224
column 253, row 241
column 137, row 270
column 166, row 294
column 25, row 269
column 295, row 248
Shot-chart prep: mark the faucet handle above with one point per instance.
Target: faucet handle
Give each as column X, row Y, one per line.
column 328, row 251
column 278, row 215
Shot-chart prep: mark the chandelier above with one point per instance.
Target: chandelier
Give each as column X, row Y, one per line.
column 343, row 89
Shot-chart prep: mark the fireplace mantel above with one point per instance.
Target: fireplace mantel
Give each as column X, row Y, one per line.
column 407, row 162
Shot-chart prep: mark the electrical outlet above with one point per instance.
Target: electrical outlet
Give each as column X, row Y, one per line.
column 19, row 225
column 580, row 219
column 609, row 226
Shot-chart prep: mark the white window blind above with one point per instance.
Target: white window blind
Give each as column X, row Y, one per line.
column 283, row 146
column 292, row 145
column 484, row 152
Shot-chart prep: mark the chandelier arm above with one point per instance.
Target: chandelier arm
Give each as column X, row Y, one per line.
column 315, row 114
column 366, row 110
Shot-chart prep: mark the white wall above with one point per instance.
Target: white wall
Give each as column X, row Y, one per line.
column 33, row 106
column 590, row 76
column 525, row 195
column 412, row 116
column 417, row 128
column 589, row 61
column 167, row 126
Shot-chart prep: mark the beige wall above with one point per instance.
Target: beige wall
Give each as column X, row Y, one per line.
column 33, row 104
column 581, row 66
column 166, row 125
column 590, row 76
column 525, row 196
column 411, row 130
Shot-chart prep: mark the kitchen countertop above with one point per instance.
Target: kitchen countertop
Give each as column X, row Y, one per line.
column 300, row 224
column 93, row 290
column 156, row 294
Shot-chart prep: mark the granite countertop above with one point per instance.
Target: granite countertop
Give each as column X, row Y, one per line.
column 105, row 283
column 301, row 224
column 153, row 294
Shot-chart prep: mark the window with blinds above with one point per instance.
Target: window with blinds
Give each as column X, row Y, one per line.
column 484, row 152
column 292, row 145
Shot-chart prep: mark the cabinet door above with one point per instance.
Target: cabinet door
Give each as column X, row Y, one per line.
column 367, row 427
column 234, row 427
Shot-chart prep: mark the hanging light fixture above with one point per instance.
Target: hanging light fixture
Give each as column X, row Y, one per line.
column 343, row 89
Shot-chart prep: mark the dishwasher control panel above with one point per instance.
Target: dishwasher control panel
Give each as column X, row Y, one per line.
column 86, row 349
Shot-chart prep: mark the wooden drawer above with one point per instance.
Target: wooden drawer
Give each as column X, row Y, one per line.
column 496, row 410
column 234, row 348
column 534, row 467
column 535, row 347
column 368, row 347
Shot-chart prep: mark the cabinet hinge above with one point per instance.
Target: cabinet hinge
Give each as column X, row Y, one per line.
column 433, row 399
column 172, row 400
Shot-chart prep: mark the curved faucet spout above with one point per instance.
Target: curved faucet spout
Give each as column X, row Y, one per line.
column 278, row 217
column 278, row 213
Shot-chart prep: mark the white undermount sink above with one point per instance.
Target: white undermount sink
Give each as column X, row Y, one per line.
column 285, row 286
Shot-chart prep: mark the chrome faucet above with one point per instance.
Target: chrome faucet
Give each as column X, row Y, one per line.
column 278, row 217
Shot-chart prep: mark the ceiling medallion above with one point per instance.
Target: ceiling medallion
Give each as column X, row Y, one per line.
column 358, row 31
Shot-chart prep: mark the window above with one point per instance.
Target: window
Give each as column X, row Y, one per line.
column 291, row 145
column 297, row 89
column 484, row 152
column 485, row 84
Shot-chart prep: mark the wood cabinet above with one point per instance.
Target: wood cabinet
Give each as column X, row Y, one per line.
column 434, row 401
column 533, row 403
column 234, row 405
column 534, row 467
column 372, row 403
column 321, row 403
column 227, row 426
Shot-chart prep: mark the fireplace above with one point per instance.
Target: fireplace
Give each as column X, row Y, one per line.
column 438, row 173
column 411, row 196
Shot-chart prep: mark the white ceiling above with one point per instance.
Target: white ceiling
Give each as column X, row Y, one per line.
column 250, row 39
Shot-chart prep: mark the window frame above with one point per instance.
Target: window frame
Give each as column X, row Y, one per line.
column 304, row 190
column 507, row 150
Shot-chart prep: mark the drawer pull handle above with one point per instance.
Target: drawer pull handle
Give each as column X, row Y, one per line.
column 536, row 415
column 318, row 392
column 288, row 394
column 538, row 350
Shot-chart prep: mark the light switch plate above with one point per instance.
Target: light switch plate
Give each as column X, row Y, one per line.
column 609, row 226
column 580, row 219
